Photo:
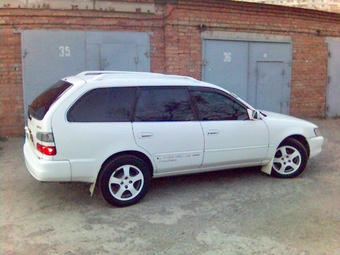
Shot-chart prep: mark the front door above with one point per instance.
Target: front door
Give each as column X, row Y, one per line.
column 231, row 139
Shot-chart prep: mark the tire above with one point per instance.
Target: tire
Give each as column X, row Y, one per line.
column 290, row 159
column 124, row 180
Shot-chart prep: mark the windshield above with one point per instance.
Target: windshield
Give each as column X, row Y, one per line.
column 40, row 105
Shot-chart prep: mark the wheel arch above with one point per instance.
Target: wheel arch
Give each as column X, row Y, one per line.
column 268, row 168
column 138, row 154
column 124, row 192
column 301, row 139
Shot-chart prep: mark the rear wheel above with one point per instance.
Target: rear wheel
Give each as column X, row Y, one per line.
column 124, row 180
column 290, row 159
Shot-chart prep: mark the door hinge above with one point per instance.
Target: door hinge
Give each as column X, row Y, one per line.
column 136, row 59
column 24, row 54
column 329, row 79
column 104, row 63
column 204, row 62
column 329, row 54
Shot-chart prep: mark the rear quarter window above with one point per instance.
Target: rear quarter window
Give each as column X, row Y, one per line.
column 41, row 104
column 104, row 105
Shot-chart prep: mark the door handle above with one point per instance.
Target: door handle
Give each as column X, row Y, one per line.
column 213, row 132
column 145, row 135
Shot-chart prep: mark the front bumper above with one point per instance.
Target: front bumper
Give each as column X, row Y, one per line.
column 315, row 146
column 46, row 170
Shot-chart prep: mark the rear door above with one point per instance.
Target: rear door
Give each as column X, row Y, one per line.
column 166, row 127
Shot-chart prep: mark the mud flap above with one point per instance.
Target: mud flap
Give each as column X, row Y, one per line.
column 93, row 185
column 268, row 168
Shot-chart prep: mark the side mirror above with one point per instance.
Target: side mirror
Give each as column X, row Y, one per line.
column 253, row 114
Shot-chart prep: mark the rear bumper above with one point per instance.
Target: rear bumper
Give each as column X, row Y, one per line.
column 315, row 145
column 46, row 170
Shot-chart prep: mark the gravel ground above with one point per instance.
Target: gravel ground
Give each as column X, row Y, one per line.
column 239, row 211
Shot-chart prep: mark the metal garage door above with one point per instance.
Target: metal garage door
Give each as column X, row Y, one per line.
column 333, row 87
column 259, row 72
column 50, row 55
column 47, row 57
column 120, row 51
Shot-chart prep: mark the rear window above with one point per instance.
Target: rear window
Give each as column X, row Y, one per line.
column 40, row 106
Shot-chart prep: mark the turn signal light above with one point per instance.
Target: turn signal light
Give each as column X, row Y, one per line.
column 47, row 150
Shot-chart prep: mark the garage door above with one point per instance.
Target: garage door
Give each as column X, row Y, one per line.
column 259, row 72
column 50, row 55
column 333, row 87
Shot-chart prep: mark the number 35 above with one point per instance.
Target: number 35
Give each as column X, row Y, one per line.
column 64, row 51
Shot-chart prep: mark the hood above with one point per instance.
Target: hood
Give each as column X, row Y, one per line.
column 273, row 116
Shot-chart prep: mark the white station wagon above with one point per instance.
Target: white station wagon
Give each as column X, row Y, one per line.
column 121, row 129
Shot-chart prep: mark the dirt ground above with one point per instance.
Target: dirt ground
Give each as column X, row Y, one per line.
column 228, row 212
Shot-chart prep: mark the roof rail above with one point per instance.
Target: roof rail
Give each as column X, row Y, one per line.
column 182, row 77
column 103, row 72
column 100, row 75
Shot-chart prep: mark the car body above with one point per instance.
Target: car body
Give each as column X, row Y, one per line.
column 121, row 129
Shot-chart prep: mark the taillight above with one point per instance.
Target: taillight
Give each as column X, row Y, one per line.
column 46, row 137
column 47, row 150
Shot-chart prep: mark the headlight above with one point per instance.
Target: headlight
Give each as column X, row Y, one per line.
column 317, row 132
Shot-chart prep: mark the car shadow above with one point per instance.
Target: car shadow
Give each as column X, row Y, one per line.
column 78, row 194
column 207, row 180
column 206, row 177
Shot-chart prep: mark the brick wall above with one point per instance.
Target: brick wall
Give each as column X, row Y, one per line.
column 309, row 76
column 176, row 44
column 308, row 30
column 11, row 93
column 13, row 20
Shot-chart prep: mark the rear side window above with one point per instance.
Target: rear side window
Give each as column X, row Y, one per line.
column 164, row 104
column 104, row 105
column 40, row 105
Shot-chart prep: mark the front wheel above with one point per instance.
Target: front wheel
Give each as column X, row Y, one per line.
column 290, row 159
column 124, row 181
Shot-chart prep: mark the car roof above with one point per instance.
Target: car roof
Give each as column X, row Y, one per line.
column 131, row 79
column 139, row 78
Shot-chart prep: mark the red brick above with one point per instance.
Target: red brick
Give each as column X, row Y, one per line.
column 176, row 44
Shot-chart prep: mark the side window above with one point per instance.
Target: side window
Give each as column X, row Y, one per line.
column 213, row 105
column 164, row 104
column 104, row 105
